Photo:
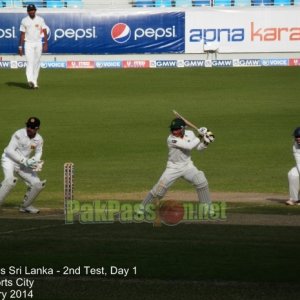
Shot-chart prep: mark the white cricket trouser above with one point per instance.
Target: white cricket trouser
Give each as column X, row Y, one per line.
column 10, row 168
column 33, row 52
column 170, row 175
column 293, row 177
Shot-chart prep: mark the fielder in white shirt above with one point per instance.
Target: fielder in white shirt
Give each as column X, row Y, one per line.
column 293, row 175
column 32, row 29
column 17, row 159
column 180, row 143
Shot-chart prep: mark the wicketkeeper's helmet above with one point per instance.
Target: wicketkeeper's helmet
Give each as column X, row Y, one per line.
column 297, row 132
column 177, row 124
column 33, row 123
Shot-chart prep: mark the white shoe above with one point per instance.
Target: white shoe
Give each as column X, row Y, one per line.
column 29, row 209
column 35, row 86
column 292, row 202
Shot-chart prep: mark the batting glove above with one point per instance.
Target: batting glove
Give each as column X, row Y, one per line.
column 202, row 131
column 208, row 138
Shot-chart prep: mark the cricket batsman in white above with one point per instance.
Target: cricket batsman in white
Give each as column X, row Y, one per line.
column 293, row 174
column 180, row 143
column 17, row 159
column 33, row 29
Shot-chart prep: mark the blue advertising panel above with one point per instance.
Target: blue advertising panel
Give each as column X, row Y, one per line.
column 100, row 33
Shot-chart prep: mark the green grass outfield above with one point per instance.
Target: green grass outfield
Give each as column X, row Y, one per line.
column 113, row 125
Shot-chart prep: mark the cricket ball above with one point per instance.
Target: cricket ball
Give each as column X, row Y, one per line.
column 171, row 212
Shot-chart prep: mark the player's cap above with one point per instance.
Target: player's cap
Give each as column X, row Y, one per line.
column 31, row 7
column 177, row 124
column 297, row 132
column 33, row 123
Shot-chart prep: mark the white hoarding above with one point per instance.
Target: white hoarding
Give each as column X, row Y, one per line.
column 253, row 29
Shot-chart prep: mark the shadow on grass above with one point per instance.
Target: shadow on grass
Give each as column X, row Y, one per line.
column 277, row 200
column 21, row 85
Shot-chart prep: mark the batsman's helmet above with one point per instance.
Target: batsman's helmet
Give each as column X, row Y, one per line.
column 177, row 124
column 33, row 123
column 297, row 132
column 31, row 7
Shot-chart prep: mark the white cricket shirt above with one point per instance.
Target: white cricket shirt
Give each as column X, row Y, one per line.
column 180, row 148
column 33, row 29
column 21, row 146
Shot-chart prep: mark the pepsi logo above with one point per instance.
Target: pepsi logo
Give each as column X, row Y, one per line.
column 120, row 33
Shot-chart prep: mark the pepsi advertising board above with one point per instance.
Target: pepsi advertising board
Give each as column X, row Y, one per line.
column 102, row 33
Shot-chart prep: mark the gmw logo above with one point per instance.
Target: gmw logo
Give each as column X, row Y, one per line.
column 121, row 33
